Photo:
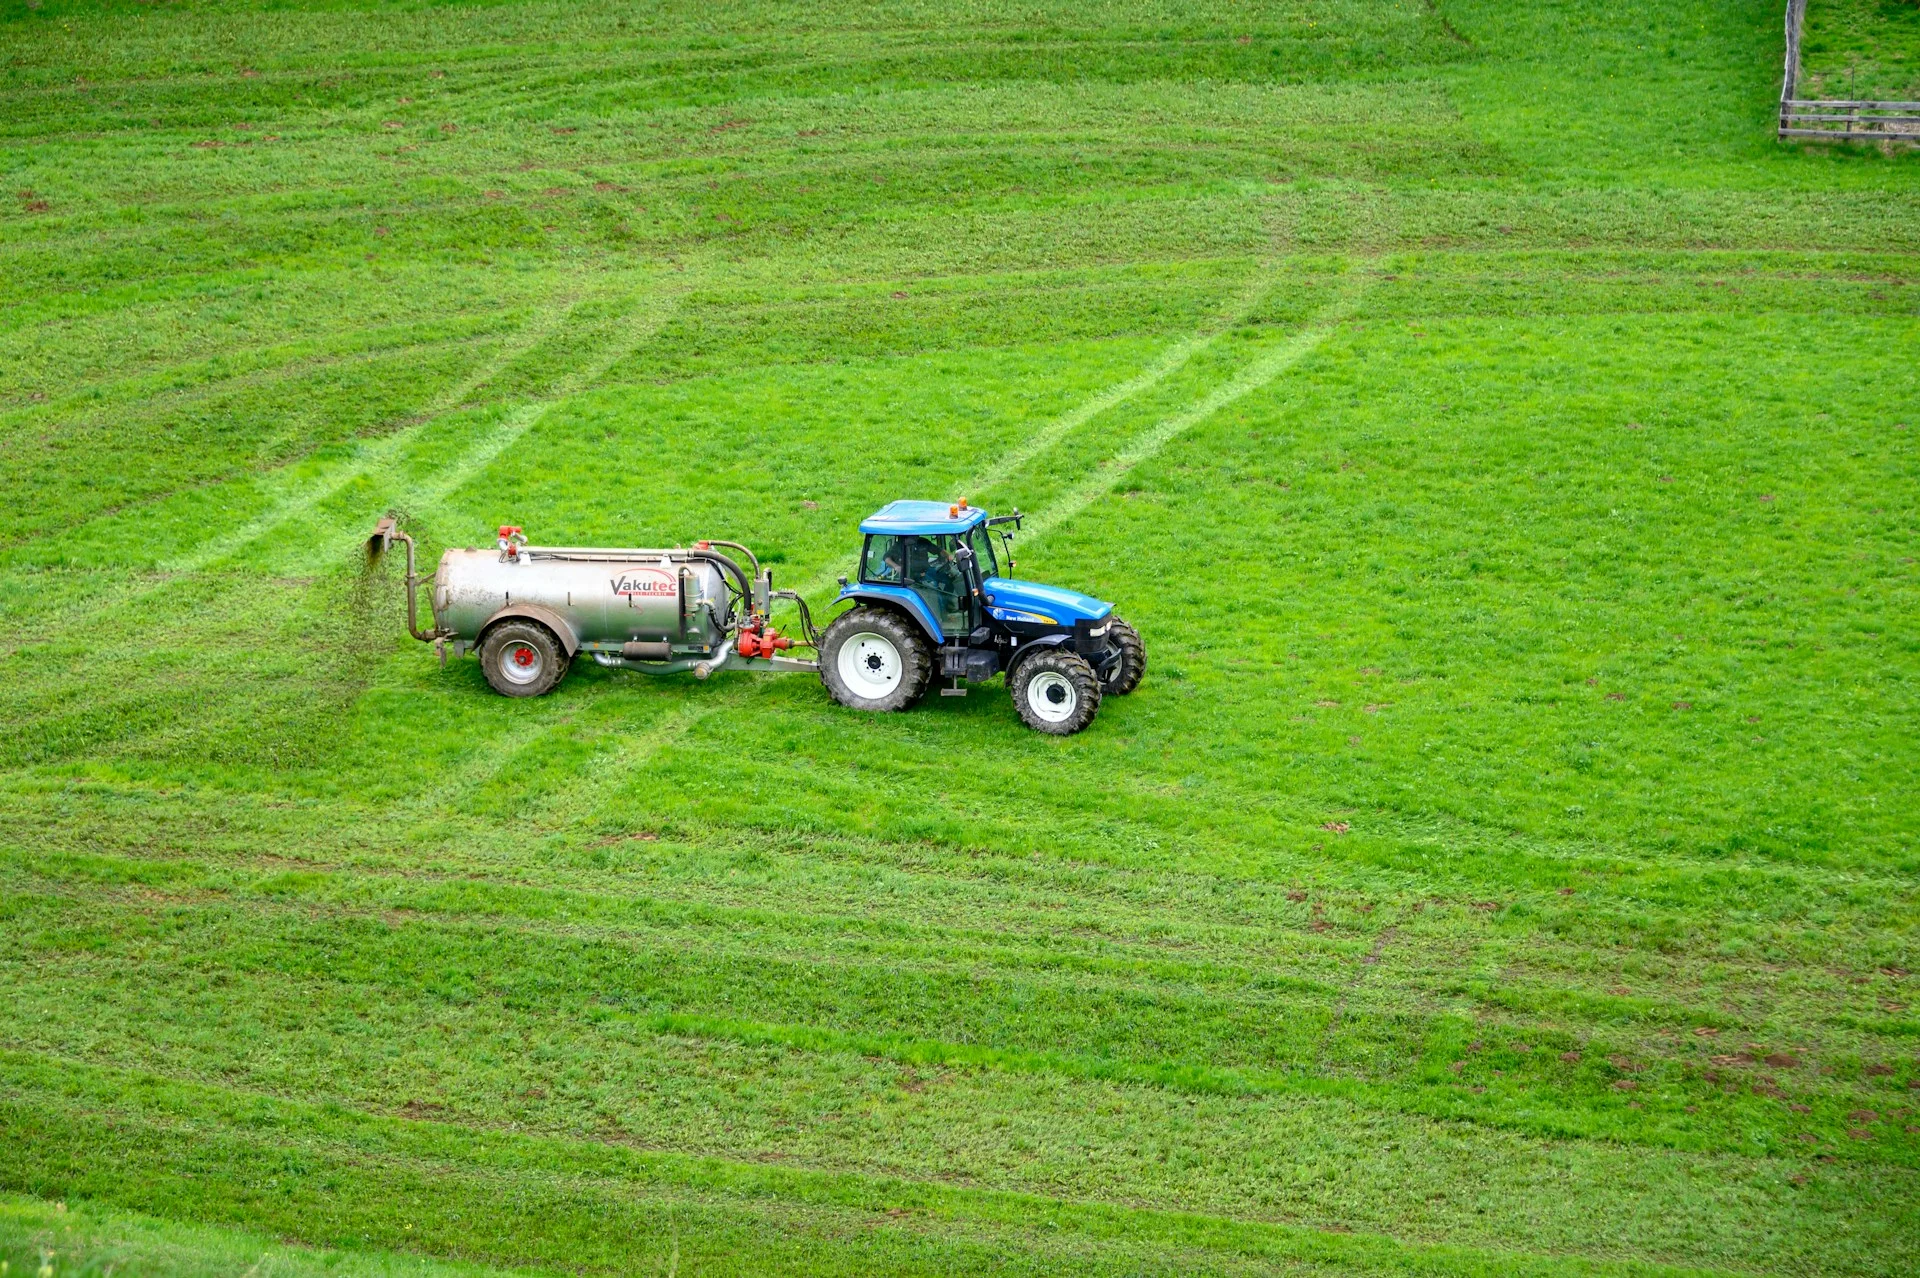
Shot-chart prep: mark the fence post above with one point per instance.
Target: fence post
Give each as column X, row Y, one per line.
column 1790, row 81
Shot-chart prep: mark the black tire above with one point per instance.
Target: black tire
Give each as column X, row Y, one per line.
column 888, row 662
column 1133, row 659
column 1055, row 691
column 522, row 659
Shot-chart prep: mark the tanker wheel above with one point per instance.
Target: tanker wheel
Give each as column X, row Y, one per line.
column 1133, row 660
column 874, row 659
column 522, row 658
column 1055, row 692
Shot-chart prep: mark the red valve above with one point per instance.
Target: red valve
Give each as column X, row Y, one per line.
column 755, row 644
column 509, row 530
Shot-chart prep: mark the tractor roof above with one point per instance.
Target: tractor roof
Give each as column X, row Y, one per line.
column 927, row 518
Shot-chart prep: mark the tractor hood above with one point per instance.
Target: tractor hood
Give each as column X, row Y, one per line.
column 1012, row 600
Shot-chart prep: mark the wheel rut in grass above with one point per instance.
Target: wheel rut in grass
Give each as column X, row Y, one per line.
column 644, row 318
column 505, row 777
column 647, row 316
column 375, row 457
column 1256, row 376
column 1170, row 361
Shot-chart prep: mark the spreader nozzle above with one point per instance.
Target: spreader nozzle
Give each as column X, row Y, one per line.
column 380, row 538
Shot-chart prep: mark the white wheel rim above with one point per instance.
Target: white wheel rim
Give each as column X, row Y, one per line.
column 870, row 665
column 521, row 662
column 1052, row 697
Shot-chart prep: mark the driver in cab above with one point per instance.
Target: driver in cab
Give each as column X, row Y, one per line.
column 923, row 561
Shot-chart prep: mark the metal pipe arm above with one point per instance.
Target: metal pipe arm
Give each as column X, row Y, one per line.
column 751, row 557
column 386, row 532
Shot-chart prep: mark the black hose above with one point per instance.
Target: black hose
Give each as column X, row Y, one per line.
column 806, row 616
column 714, row 556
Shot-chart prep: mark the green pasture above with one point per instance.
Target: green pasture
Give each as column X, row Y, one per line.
column 1505, row 446
column 1861, row 49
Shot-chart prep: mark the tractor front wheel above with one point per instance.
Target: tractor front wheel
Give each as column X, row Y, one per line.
column 1055, row 692
column 874, row 659
column 1133, row 659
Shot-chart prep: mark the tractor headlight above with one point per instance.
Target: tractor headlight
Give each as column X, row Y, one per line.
column 1100, row 632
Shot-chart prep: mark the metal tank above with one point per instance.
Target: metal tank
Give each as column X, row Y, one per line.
column 642, row 604
column 530, row 610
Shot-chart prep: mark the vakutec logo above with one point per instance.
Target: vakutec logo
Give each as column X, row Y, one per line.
column 651, row 585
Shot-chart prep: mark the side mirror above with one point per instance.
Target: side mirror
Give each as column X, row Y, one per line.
column 964, row 557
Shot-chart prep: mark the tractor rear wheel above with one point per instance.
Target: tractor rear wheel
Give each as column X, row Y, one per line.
column 1055, row 691
column 522, row 658
column 875, row 659
column 1133, row 659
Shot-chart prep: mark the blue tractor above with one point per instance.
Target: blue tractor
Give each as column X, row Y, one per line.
column 931, row 602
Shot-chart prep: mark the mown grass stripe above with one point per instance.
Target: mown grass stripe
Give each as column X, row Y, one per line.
column 1166, row 1036
column 316, row 1172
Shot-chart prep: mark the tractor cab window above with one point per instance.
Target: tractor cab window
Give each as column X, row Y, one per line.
column 924, row 564
column 914, row 561
column 982, row 543
column 886, row 560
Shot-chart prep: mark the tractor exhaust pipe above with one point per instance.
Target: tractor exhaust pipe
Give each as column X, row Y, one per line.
column 384, row 534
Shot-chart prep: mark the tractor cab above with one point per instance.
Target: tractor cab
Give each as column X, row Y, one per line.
column 932, row 572
column 916, row 547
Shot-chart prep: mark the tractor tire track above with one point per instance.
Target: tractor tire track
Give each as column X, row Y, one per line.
column 578, row 802
column 376, row 455
column 138, row 399
column 1148, row 443
column 308, row 495
column 1170, row 361
column 449, row 477
column 646, row 319
column 649, row 316
column 578, row 799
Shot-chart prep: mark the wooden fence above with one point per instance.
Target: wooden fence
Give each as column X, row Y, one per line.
column 1837, row 120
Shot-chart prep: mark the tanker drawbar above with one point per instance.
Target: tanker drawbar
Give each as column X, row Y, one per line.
column 528, row 611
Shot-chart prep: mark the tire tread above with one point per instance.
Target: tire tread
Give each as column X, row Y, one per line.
column 916, row 658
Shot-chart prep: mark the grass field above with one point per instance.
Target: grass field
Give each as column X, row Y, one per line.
column 1862, row 49
column 1507, row 449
